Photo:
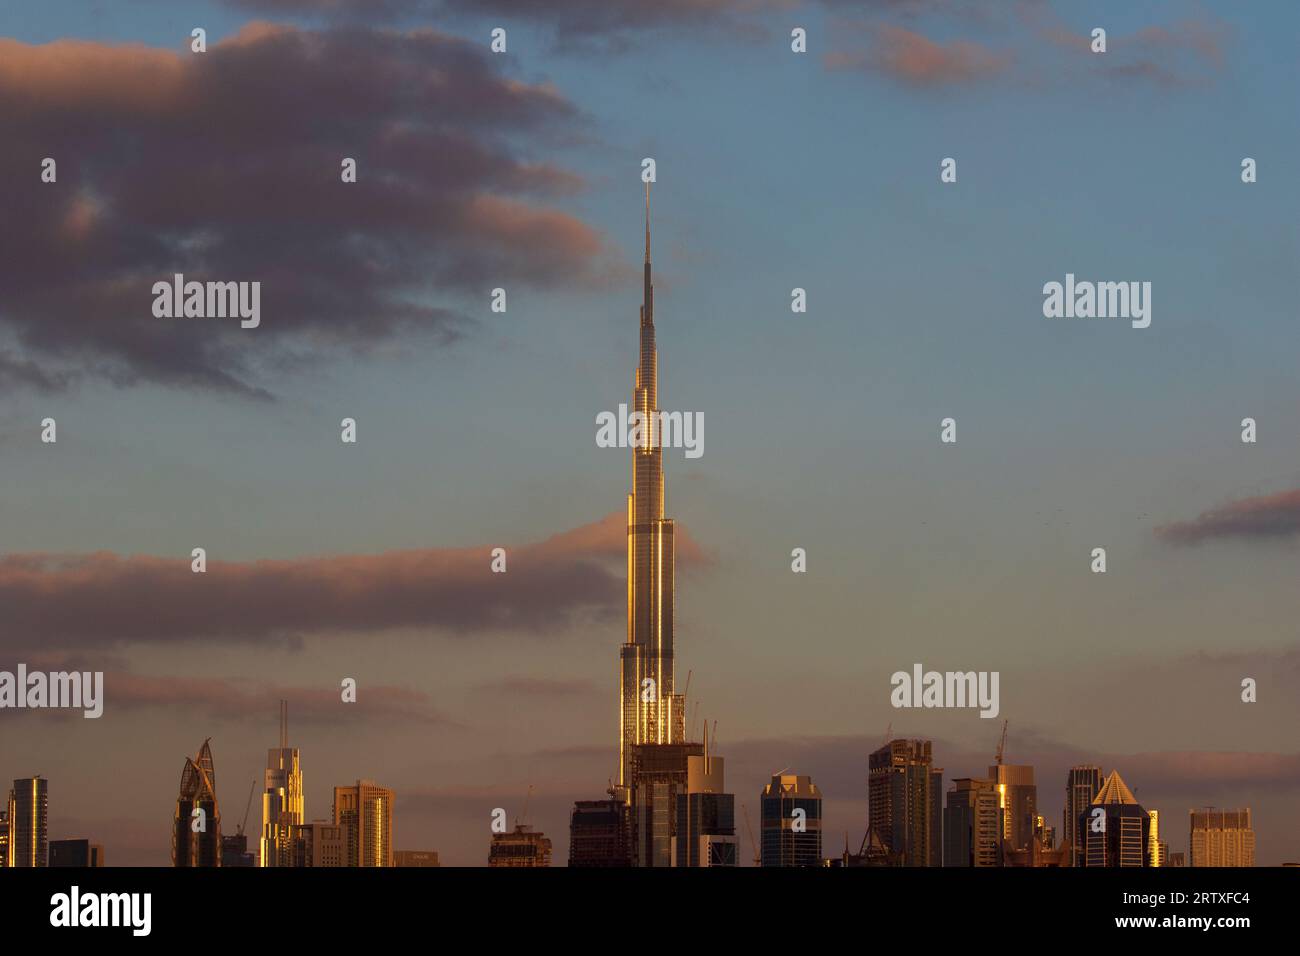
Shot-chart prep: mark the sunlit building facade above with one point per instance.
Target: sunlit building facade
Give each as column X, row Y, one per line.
column 791, row 822
column 365, row 812
column 1018, row 798
column 650, row 712
column 1115, row 830
column 521, row 847
column 282, row 799
column 28, row 823
column 196, row 829
column 1222, row 838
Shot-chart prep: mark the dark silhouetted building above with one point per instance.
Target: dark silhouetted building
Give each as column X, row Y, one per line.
column 1081, row 785
column 321, row 843
column 658, row 774
column 972, row 825
column 788, row 837
column 600, row 834
column 705, row 831
column 1115, row 830
column 81, row 853
column 905, row 802
column 196, row 829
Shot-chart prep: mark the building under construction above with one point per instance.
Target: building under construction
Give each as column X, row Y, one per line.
column 523, row 846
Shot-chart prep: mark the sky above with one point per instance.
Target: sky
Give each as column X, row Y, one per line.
column 521, row 170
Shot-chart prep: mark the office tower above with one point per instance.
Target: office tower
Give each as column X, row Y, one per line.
column 28, row 822
column 1081, row 785
column 196, row 829
column 235, row 852
column 523, row 846
column 365, row 811
column 282, row 798
column 1118, row 835
column 972, row 826
column 600, row 833
column 80, row 853
column 781, row 844
column 1222, row 838
column 705, row 834
column 650, row 712
column 1153, row 840
column 415, row 858
column 1018, row 797
column 320, row 843
column 4, row 835
column 905, row 795
column 1044, row 835
column 659, row 772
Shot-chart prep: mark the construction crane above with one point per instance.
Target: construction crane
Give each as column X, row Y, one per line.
column 1002, row 744
column 247, row 806
column 527, row 800
column 758, row 860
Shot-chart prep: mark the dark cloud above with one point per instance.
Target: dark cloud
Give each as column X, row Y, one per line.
column 225, row 166
column 103, row 600
column 1268, row 517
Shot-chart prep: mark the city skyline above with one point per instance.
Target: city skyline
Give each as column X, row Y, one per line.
column 372, row 561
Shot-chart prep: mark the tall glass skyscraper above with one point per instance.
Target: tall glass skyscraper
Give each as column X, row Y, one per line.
column 1081, row 785
column 905, row 802
column 196, row 837
column 788, row 838
column 28, row 818
column 649, row 710
column 282, row 799
column 365, row 811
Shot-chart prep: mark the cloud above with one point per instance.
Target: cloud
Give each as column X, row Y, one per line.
column 1268, row 517
column 103, row 600
column 911, row 59
column 1181, row 54
column 215, row 166
column 540, row 687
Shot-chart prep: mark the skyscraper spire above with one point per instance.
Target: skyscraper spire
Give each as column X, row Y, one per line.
column 647, row 223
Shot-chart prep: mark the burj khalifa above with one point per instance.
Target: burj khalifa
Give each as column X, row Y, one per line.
column 650, row 711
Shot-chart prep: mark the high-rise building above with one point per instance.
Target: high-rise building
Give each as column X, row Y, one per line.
column 416, row 858
column 523, row 846
column 659, row 773
column 600, row 833
column 282, row 799
column 28, row 822
column 320, row 843
column 705, row 834
column 196, row 829
column 905, row 802
column 1081, row 785
column 4, row 835
column 1118, row 835
column 80, row 853
column 972, row 825
column 365, row 811
column 1154, row 845
column 788, row 837
column 1018, row 798
column 1176, row 859
column 235, row 852
column 649, row 710
column 1222, row 838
